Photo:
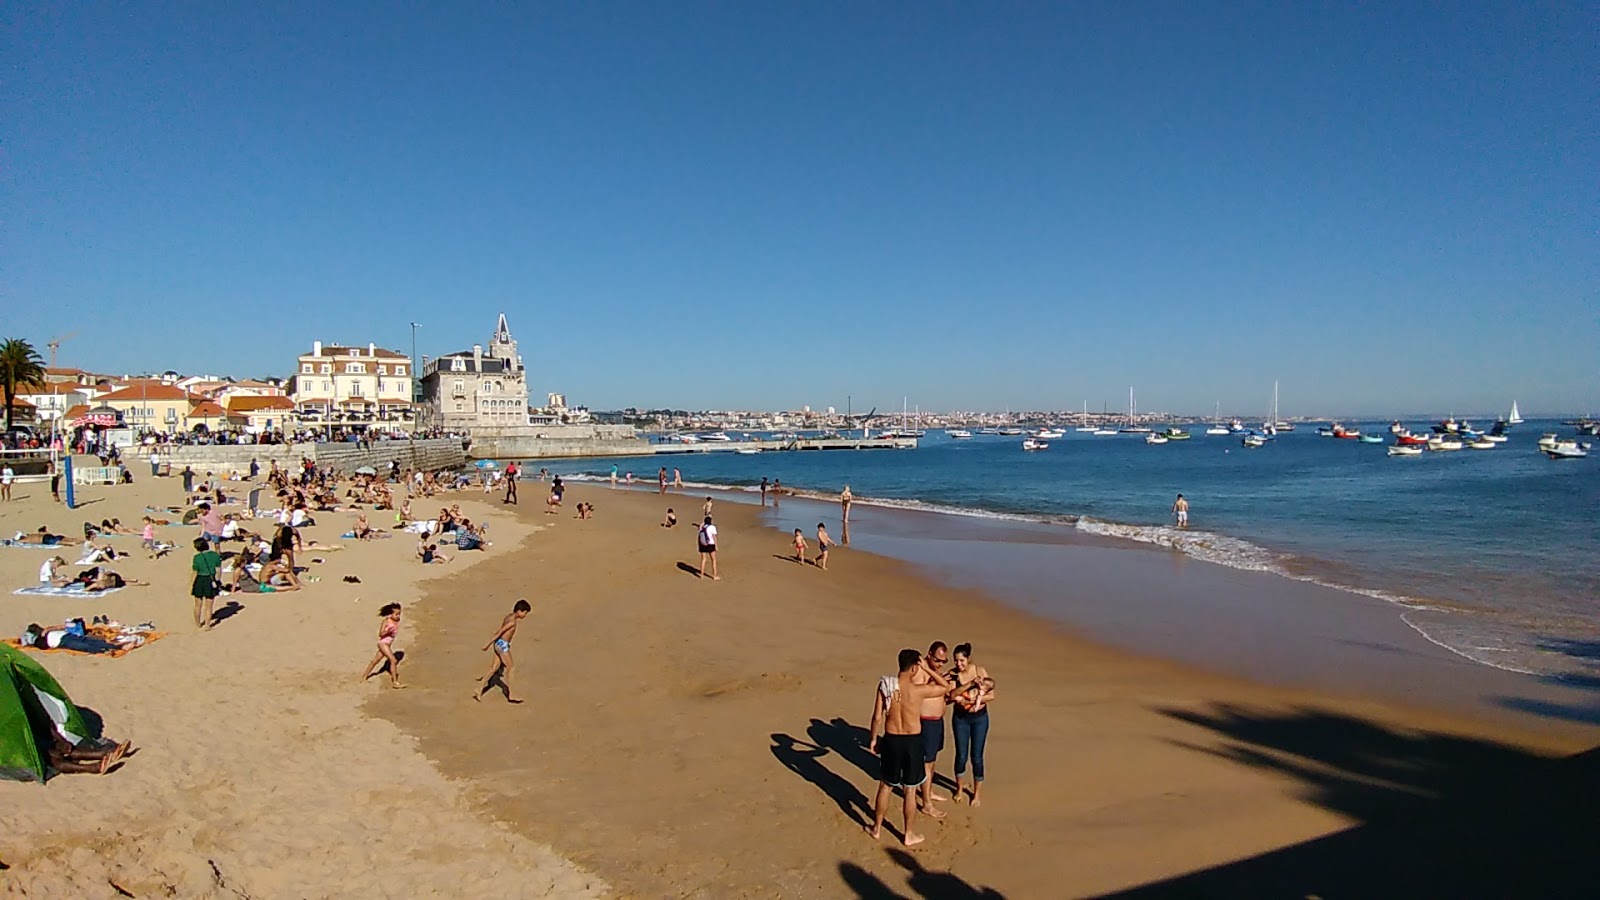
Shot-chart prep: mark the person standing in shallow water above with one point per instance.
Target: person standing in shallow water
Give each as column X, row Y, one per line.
column 1180, row 509
column 845, row 500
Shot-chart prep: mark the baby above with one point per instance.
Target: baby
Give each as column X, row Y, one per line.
column 973, row 697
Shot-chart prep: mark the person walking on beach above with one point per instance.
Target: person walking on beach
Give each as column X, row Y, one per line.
column 613, row 477
column 677, row 478
column 706, row 509
column 512, row 474
column 661, row 480
column 502, row 663
column 932, row 712
column 823, row 543
column 969, row 720
column 387, row 629
column 844, row 502
column 1180, row 508
column 207, row 563
column 764, row 485
column 708, row 546
column 799, row 547
column 895, row 704
column 155, row 464
column 7, row 476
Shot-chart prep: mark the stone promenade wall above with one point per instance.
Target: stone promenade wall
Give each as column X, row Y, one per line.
column 436, row 453
column 552, row 441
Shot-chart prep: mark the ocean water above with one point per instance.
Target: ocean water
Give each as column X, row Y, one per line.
column 1491, row 554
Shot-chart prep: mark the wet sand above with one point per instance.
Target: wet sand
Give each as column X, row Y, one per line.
column 690, row 738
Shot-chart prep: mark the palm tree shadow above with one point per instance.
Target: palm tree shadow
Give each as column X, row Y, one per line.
column 1587, row 655
column 1437, row 814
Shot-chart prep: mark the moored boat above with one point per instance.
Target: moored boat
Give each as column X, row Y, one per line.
column 1566, row 449
column 1176, row 434
column 1547, row 440
column 1155, row 439
column 1035, row 444
column 1105, row 432
column 1254, row 440
column 1217, row 429
column 1396, row 428
column 1441, row 444
column 1405, row 450
column 958, row 434
column 1371, row 438
column 1408, row 439
column 1481, row 444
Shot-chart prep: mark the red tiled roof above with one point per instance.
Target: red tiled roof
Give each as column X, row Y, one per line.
column 20, row 402
column 337, row 350
column 254, row 404
column 57, row 387
column 76, row 411
column 206, row 409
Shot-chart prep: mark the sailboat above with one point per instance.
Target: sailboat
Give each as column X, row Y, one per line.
column 1515, row 418
column 1133, row 410
column 1277, row 423
column 1084, row 425
column 1216, row 421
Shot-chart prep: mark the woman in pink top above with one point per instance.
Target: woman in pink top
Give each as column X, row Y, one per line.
column 387, row 629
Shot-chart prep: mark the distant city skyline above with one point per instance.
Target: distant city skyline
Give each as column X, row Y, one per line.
column 1390, row 210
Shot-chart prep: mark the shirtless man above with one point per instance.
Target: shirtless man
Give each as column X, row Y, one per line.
column 501, row 642
column 895, row 705
column 844, row 502
column 1180, row 508
column 932, row 711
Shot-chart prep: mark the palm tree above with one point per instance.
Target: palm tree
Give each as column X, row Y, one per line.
column 20, row 366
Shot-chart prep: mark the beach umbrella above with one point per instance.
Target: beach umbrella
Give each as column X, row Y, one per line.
column 366, row 470
column 484, row 463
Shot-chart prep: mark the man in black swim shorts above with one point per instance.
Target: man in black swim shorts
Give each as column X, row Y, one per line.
column 895, row 706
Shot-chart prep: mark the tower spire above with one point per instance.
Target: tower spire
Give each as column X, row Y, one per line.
column 502, row 331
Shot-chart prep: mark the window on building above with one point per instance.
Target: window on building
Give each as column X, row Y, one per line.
column 355, row 368
column 305, row 368
column 458, row 365
column 383, row 369
column 355, row 388
column 400, row 370
column 326, row 386
column 458, row 406
column 326, row 369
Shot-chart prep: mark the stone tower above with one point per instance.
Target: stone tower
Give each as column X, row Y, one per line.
column 504, row 347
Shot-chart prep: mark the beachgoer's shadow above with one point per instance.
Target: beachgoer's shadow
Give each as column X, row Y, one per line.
column 692, row 570
column 399, row 657
column 805, row 759
column 791, row 560
column 934, row 885
column 227, row 611
column 846, row 740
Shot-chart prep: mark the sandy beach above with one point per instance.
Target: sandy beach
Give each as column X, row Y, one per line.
column 690, row 738
column 256, row 773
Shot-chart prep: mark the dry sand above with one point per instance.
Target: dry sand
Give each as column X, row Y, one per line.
column 691, row 738
column 257, row 774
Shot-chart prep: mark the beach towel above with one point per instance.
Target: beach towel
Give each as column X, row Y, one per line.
column 121, row 645
column 28, row 545
column 425, row 526
column 71, row 590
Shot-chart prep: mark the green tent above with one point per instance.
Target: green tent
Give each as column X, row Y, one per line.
column 32, row 705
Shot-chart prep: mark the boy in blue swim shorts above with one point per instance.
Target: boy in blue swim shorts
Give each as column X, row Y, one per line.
column 502, row 663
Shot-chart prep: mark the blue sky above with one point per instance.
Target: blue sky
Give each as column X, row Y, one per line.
column 1387, row 207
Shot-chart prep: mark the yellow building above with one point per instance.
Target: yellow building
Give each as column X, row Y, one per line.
column 333, row 383
column 147, row 404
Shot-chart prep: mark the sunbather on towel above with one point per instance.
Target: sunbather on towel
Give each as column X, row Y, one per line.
column 50, row 572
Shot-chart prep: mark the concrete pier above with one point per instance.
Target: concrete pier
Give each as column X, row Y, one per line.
column 764, row 446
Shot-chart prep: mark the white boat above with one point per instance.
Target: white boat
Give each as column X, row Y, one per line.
column 1133, row 410
column 1396, row 428
column 1481, row 444
column 1254, row 440
column 1106, row 432
column 1217, row 429
column 1547, row 440
column 1236, row 427
column 717, row 436
column 1515, row 418
column 1440, row 444
column 959, row 434
column 1034, row 444
column 988, row 430
column 1010, row 432
column 1566, row 450
column 1405, row 450
column 748, row 451
column 1216, row 421
column 1085, row 427
column 1495, row 438
column 1049, row 434
column 1155, row 439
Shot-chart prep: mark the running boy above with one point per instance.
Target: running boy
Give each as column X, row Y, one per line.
column 501, row 642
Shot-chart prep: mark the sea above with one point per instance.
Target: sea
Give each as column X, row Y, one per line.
column 1489, row 554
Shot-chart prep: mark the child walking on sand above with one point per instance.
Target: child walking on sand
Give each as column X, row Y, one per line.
column 147, row 538
column 823, row 543
column 501, row 642
column 387, row 629
column 799, row 547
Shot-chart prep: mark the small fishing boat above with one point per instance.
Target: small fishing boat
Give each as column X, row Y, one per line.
column 1547, row 440
column 1324, row 431
column 1405, row 450
column 1345, row 434
column 1481, row 444
column 1035, row 444
column 1448, row 426
column 1010, row 432
column 748, row 451
column 1566, row 450
column 1176, row 434
column 958, row 434
column 1236, row 427
column 1049, row 434
column 1255, row 440
column 1396, row 428
column 1371, row 438
column 1441, row 444
column 1155, row 439
column 1408, row 439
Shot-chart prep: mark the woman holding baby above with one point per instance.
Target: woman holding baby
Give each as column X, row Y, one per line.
column 969, row 719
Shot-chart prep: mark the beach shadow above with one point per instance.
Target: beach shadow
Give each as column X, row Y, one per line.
column 692, row 570
column 847, row 741
column 399, row 656
column 1586, row 653
column 805, row 759
column 1436, row 815
column 226, row 611
column 928, row 884
column 791, row 560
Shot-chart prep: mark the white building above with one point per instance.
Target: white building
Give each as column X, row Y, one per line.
column 477, row 388
column 352, row 385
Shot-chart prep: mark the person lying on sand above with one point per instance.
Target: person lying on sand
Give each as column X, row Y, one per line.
column 91, row 756
column 502, row 663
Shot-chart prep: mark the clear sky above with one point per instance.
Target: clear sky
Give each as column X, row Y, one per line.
column 1388, row 206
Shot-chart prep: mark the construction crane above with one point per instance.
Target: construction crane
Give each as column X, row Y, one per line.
column 55, row 345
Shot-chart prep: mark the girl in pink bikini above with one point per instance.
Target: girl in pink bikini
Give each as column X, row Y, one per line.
column 387, row 629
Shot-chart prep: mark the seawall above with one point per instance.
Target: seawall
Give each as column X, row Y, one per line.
column 434, row 453
column 558, row 441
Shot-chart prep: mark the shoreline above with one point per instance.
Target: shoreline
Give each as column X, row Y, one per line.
column 690, row 701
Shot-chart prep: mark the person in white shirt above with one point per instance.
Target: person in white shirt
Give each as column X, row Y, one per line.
column 50, row 572
column 155, row 464
column 708, row 548
column 7, row 475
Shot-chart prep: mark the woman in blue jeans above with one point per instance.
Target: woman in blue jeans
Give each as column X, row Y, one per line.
column 969, row 719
